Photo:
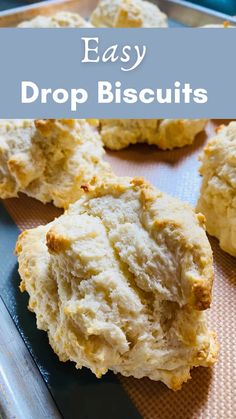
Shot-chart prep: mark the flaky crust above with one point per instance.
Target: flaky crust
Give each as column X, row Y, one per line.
column 120, row 280
column 59, row 20
column 165, row 133
column 49, row 159
column 218, row 191
column 128, row 14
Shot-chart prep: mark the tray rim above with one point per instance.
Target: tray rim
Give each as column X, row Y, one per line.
column 18, row 381
column 38, row 5
column 172, row 7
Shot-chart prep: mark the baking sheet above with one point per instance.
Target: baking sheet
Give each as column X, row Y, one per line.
column 211, row 394
column 180, row 13
column 65, row 391
column 78, row 394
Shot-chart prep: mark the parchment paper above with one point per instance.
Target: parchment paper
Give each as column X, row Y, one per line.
column 211, row 394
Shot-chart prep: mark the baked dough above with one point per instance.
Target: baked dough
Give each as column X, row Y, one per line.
column 59, row 20
column 49, row 159
column 120, row 282
column 165, row 133
column 128, row 14
column 223, row 25
column 218, row 192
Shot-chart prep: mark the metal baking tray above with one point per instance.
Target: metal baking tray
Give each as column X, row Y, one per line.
column 180, row 13
column 23, row 392
column 189, row 14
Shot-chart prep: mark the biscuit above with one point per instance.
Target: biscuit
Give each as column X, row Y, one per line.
column 128, row 14
column 222, row 25
column 49, row 159
column 218, row 191
column 59, row 20
column 120, row 282
column 165, row 133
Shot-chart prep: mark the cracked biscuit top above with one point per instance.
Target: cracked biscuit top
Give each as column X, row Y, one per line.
column 49, row 159
column 164, row 133
column 128, row 14
column 120, row 282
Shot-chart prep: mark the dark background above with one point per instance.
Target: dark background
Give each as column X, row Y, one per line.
column 225, row 6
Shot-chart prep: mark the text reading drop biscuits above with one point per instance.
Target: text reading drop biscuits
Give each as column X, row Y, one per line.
column 49, row 159
column 218, row 192
column 120, row 282
column 59, row 20
column 165, row 133
column 128, row 14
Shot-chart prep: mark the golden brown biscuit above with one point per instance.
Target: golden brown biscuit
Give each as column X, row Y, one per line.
column 128, row 14
column 218, row 192
column 59, row 20
column 165, row 133
column 120, row 282
column 49, row 159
